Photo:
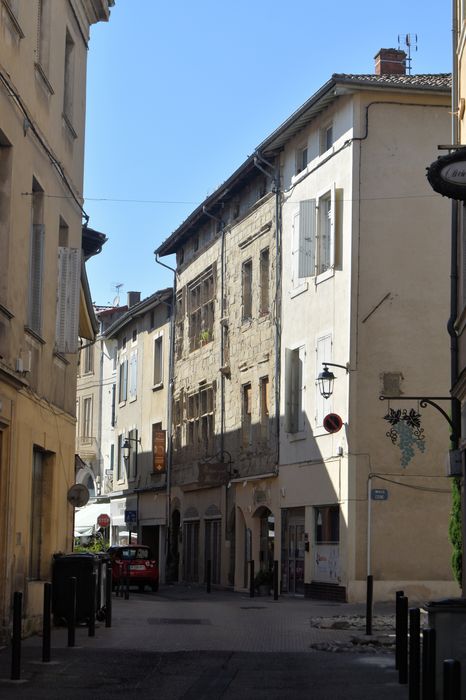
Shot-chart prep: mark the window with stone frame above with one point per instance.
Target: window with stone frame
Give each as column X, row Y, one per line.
column 247, row 290
column 264, row 389
column 179, row 322
column 246, row 415
column 201, row 305
column 200, row 419
column 264, row 271
column 177, row 423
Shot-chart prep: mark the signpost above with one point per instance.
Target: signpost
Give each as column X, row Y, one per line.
column 131, row 516
column 103, row 520
column 379, row 494
column 332, row 423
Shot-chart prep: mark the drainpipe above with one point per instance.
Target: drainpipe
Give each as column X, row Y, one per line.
column 455, row 403
column 274, row 172
column 222, row 332
column 170, row 405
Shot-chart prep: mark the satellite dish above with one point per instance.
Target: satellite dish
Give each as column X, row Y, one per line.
column 78, row 495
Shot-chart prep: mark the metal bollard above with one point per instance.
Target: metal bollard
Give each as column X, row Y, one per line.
column 208, row 575
column 71, row 616
column 369, row 603
column 251, row 578
column 414, row 685
column 399, row 594
column 451, row 679
column 92, row 610
column 127, row 581
column 46, row 624
column 428, row 664
column 403, row 660
column 16, row 636
column 108, row 597
column 275, row 579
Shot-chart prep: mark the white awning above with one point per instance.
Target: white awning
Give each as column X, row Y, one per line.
column 85, row 518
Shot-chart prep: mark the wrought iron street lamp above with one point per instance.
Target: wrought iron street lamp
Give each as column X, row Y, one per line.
column 326, row 378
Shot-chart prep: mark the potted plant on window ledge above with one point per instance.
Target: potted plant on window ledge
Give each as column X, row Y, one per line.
column 205, row 337
column 263, row 581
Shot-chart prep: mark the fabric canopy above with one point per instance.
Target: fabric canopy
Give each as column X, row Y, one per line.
column 85, row 518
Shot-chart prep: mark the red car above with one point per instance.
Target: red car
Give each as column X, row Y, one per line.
column 135, row 560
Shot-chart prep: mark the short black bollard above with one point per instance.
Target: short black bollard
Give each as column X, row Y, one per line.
column 275, row 580
column 108, row 596
column 16, row 636
column 403, row 642
column 127, row 581
column 414, row 685
column 46, row 624
column 71, row 616
column 92, row 606
column 428, row 664
column 208, row 575
column 251, row 578
column 451, row 679
column 369, row 603
column 399, row 594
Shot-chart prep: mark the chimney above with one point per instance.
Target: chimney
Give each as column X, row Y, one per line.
column 133, row 298
column 390, row 62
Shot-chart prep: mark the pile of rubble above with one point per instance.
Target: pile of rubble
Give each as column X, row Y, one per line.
column 381, row 641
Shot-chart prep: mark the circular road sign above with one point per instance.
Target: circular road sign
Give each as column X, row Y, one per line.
column 103, row 520
column 332, row 423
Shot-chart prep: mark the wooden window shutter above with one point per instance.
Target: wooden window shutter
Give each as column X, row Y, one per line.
column 35, row 277
column 307, row 237
column 68, row 290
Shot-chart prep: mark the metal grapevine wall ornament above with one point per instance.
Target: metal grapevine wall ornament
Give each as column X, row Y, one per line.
column 406, row 432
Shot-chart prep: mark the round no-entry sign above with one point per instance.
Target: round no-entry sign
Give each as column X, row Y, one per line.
column 332, row 423
column 103, row 520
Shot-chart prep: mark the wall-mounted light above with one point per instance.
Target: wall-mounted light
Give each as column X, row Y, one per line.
column 326, row 378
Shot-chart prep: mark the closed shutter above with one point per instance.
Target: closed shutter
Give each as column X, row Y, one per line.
column 35, row 277
column 68, row 289
column 133, row 376
column 307, row 235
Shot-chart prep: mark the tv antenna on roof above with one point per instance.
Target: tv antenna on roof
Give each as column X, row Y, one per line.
column 118, row 286
column 408, row 40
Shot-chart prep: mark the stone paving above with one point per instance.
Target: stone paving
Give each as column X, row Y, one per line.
column 184, row 643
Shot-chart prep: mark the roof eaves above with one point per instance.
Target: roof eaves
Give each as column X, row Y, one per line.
column 138, row 309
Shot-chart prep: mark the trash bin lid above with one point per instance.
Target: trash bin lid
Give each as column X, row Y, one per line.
column 445, row 603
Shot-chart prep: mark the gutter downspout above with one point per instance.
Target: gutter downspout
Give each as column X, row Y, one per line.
column 169, row 410
column 454, row 352
column 274, row 172
column 222, row 330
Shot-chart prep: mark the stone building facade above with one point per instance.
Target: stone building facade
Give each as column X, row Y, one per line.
column 224, row 427
column 329, row 206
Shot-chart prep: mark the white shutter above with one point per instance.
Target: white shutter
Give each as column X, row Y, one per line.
column 68, row 289
column 307, row 236
column 35, row 277
column 133, row 376
column 332, row 227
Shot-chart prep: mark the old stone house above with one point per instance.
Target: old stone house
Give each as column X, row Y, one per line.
column 316, row 250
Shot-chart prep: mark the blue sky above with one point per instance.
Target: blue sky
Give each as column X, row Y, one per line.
column 180, row 93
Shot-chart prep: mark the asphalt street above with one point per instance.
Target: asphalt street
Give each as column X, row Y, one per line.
column 184, row 643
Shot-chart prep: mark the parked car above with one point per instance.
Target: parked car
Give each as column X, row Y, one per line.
column 135, row 560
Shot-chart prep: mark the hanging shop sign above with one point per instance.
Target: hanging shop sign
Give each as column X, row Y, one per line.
column 447, row 175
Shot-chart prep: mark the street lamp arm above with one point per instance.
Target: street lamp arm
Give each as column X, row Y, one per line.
column 333, row 364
